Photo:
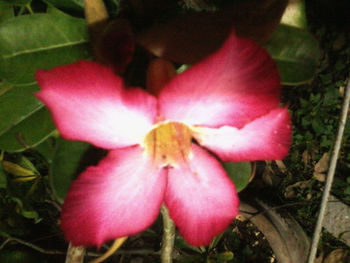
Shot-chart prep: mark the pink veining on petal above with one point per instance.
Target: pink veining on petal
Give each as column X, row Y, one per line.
column 201, row 199
column 266, row 138
column 119, row 197
column 233, row 86
column 89, row 103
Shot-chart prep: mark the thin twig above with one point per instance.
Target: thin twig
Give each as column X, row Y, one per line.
column 330, row 175
column 168, row 236
column 10, row 239
column 54, row 203
column 5, row 242
column 137, row 252
column 30, row 245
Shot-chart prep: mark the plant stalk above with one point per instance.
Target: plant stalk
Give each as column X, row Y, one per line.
column 75, row 254
column 168, row 236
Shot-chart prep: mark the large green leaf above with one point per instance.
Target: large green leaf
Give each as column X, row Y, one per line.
column 17, row 104
column 23, row 121
column 18, row 2
column 66, row 164
column 296, row 53
column 39, row 41
column 29, row 43
column 29, row 132
column 6, row 11
column 76, row 5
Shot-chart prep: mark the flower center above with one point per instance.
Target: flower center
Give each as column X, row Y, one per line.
column 168, row 143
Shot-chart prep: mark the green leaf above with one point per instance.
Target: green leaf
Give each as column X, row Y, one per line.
column 27, row 164
column 181, row 244
column 11, row 256
column 21, row 167
column 6, row 11
column 50, row 40
column 20, row 114
column 3, row 177
column 18, row 2
column 39, row 41
column 46, row 148
column 16, row 169
column 74, row 5
column 239, row 173
column 17, row 104
column 296, row 53
column 215, row 241
column 223, row 256
column 29, row 132
column 31, row 215
column 65, row 165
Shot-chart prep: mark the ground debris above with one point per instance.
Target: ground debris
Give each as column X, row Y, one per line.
column 337, row 256
column 321, row 168
column 337, row 219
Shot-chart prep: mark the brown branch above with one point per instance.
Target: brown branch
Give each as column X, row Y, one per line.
column 75, row 254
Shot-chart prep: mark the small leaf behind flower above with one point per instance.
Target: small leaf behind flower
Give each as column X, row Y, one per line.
column 240, row 173
column 296, row 53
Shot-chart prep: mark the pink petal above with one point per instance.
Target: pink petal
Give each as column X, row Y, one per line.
column 201, row 199
column 233, row 86
column 119, row 197
column 266, row 138
column 89, row 103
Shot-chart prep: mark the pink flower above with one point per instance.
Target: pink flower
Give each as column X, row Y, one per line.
column 166, row 148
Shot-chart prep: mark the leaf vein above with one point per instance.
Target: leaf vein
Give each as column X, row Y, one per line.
column 27, row 51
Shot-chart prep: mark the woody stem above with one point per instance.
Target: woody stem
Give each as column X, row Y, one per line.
column 168, row 236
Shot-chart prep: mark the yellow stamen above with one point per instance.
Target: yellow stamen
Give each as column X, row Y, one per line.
column 168, row 143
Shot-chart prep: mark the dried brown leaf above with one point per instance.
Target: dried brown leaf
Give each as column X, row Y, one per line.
column 290, row 190
column 323, row 164
column 321, row 177
column 95, row 11
column 285, row 236
column 306, row 157
column 280, row 164
column 337, row 256
column 319, row 259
